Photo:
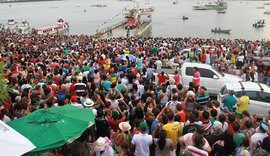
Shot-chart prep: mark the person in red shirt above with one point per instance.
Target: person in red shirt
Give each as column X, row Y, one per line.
column 162, row 78
column 203, row 57
column 177, row 78
column 113, row 118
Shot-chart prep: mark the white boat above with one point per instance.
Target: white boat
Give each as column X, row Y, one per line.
column 17, row 26
column 11, row 22
column 59, row 28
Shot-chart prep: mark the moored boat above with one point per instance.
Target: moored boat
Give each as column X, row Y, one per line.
column 221, row 11
column 219, row 31
column 60, row 27
column 219, row 5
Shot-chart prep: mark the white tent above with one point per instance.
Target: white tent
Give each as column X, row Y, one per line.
column 12, row 142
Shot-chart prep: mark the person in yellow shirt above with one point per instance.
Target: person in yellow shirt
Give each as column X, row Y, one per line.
column 173, row 130
column 108, row 64
column 233, row 59
column 242, row 104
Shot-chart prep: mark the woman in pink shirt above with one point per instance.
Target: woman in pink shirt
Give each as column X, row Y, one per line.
column 177, row 78
column 196, row 78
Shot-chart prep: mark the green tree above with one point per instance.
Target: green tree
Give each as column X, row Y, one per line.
column 4, row 88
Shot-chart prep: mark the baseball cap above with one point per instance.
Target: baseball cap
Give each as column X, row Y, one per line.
column 143, row 126
column 264, row 127
column 74, row 98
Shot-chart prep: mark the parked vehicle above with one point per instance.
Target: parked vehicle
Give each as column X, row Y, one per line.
column 259, row 95
column 212, row 79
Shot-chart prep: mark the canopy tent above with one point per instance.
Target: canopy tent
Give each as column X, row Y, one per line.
column 12, row 142
column 52, row 128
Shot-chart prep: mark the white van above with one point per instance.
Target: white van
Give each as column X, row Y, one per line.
column 259, row 95
column 212, row 79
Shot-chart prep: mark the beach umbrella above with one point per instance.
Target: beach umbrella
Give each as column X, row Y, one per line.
column 12, row 142
column 52, row 128
column 124, row 57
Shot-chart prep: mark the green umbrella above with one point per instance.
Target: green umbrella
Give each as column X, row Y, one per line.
column 52, row 128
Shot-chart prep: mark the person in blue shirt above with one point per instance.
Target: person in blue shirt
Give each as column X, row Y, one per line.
column 268, row 80
column 229, row 101
column 106, row 85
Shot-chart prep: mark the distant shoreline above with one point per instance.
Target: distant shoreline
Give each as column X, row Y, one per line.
column 22, row 1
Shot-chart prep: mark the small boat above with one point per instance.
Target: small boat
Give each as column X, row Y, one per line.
column 212, row 6
column 266, row 3
column 185, row 18
column 11, row 22
column 267, row 12
column 221, row 11
column 99, row 5
column 220, row 31
column 84, row 10
column 60, row 27
column 261, row 7
column 259, row 23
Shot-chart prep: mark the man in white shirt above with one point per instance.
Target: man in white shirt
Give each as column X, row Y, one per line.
column 261, row 133
column 158, row 63
column 142, row 141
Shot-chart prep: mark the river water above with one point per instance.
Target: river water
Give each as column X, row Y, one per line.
column 167, row 21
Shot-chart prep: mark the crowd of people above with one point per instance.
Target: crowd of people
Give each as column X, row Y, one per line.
column 133, row 114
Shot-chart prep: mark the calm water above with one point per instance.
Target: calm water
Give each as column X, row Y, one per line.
column 167, row 20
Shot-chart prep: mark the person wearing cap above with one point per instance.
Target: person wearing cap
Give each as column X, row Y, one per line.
column 74, row 101
column 261, row 133
column 142, row 141
column 203, row 96
column 242, row 104
column 229, row 101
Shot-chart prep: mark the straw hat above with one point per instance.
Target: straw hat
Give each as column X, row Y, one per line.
column 101, row 143
column 244, row 153
column 88, row 103
column 124, row 126
column 190, row 93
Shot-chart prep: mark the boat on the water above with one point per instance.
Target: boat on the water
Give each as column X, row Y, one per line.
column 221, row 12
column 220, row 31
column 17, row 26
column 259, row 23
column 59, row 28
column 185, row 18
column 11, row 22
column 267, row 12
column 261, row 7
column 99, row 5
column 219, row 5
column 268, row 3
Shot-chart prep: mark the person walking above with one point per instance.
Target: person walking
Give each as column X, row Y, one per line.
column 142, row 141
column 196, row 78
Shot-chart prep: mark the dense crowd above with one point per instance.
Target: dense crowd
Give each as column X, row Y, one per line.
column 133, row 114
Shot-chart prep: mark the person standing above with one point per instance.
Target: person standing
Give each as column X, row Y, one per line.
column 196, row 78
column 177, row 78
column 142, row 141
column 173, row 130
column 229, row 101
column 242, row 104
